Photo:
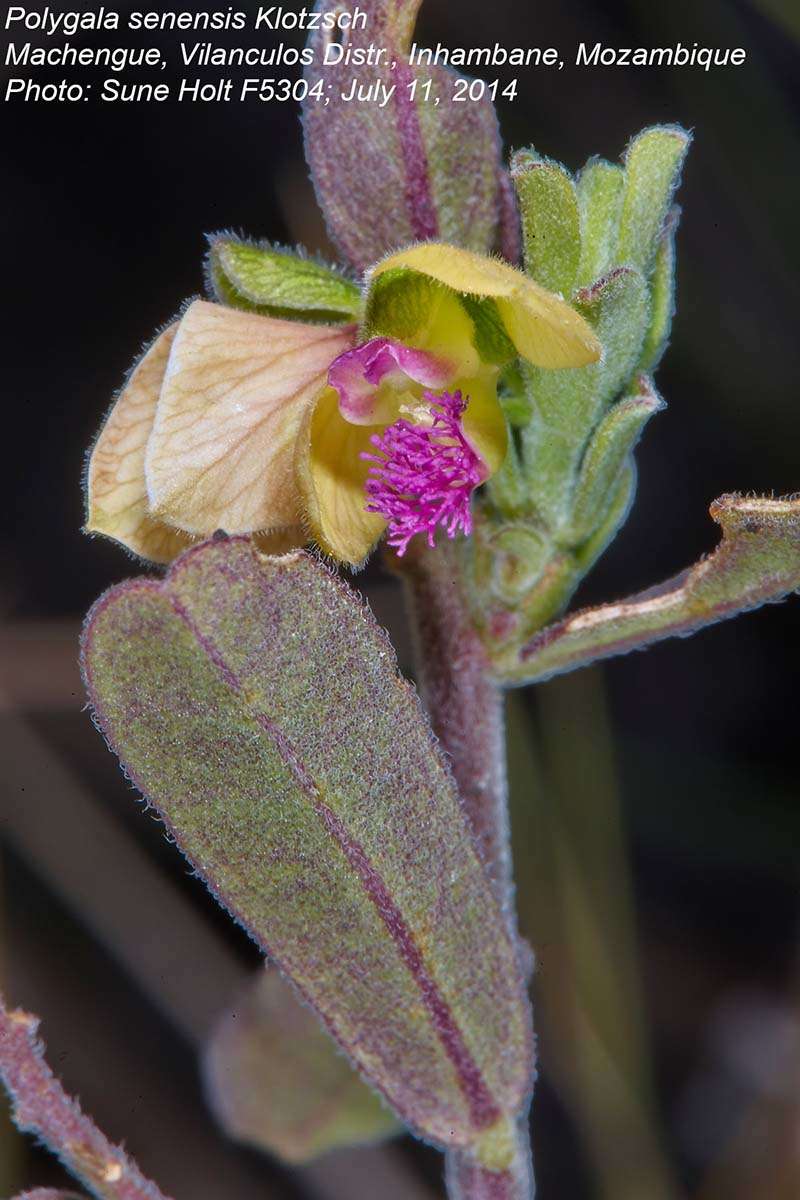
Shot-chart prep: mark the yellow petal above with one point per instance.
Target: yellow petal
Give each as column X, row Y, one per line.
column 542, row 326
column 234, row 394
column 116, row 495
column 332, row 475
column 483, row 422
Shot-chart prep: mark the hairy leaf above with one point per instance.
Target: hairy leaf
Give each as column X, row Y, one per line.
column 757, row 561
column 568, row 404
column 409, row 169
column 612, row 442
column 653, row 164
column 275, row 1079
column 550, row 221
column 278, row 283
column 258, row 706
column 662, row 297
column 600, row 188
column 42, row 1107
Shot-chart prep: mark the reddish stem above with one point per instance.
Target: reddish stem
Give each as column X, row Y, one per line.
column 42, row 1107
column 465, row 707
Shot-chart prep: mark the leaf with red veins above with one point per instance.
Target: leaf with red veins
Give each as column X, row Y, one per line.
column 42, row 1107
column 258, row 706
column 416, row 167
column 757, row 562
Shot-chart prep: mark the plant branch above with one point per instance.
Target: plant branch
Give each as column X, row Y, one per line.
column 466, row 710
column 463, row 702
column 757, row 561
column 42, row 1107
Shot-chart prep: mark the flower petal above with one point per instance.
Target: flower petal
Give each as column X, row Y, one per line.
column 542, row 326
column 483, row 421
column 358, row 376
column 332, row 477
column 116, row 496
column 234, row 394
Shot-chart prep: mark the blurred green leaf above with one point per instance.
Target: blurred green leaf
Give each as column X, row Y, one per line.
column 276, row 1080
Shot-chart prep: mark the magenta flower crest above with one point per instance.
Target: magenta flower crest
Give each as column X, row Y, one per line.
column 423, row 476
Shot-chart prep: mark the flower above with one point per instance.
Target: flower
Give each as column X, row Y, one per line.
column 238, row 421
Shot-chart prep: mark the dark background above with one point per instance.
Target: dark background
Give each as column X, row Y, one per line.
column 668, row 986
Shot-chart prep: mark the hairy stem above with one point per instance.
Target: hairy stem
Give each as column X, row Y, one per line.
column 42, row 1107
column 466, row 710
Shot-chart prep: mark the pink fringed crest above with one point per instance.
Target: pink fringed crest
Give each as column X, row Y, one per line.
column 423, row 476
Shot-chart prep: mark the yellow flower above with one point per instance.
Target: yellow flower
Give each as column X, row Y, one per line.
column 237, row 421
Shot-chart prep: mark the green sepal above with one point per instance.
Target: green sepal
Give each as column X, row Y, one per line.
column 551, row 235
column 397, row 303
column 277, row 282
column 491, row 340
column 400, row 303
column 653, row 165
column 600, row 189
column 662, row 296
column 612, row 443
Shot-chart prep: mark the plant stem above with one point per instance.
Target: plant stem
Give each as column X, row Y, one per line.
column 466, row 711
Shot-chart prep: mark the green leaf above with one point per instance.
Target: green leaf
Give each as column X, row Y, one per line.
column 278, row 283
column 551, row 235
column 653, row 165
column 662, row 297
column 414, row 168
column 616, row 507
column 276, row 1080
column 612, row 442
column 258, row 706
column 568, row 404
column 600, row 189
column 757, row 561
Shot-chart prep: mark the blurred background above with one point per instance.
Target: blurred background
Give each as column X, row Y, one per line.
column 655, row 800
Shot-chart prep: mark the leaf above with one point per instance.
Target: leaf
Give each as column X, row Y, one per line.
column 662, row 296
column 258, row 707
column 612, row 442
column 653, row 165
column 408, row 170
column 42, row 1107
column 758, row 561
column 600, row 188
column 568, row 404
column 278, row 283
column 276, row 1080
column 235, row 390
column 551, row 233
